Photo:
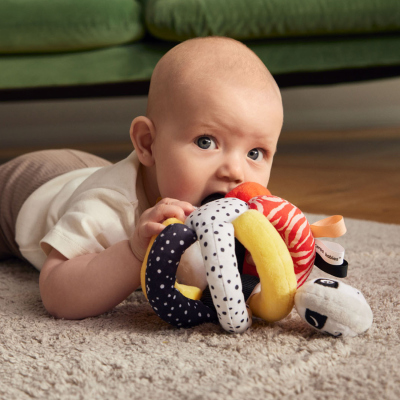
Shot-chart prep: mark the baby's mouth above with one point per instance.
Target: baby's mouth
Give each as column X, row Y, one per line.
column 212, row 197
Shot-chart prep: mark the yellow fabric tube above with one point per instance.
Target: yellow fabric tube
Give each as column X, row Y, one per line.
column 274, row 266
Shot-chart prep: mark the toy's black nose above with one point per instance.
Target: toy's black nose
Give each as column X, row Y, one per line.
column 212, row 197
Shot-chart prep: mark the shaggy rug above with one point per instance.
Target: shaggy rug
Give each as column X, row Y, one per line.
column 130, row 353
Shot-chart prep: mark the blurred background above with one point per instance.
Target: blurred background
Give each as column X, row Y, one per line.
column 339, row 152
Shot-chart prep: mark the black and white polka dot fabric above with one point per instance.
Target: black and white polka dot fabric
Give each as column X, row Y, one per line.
column 212, row 224
column 169, row 304
column 221, row 210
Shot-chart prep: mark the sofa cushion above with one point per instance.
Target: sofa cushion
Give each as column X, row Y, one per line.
column 255, row 19
column 136, row 61
column 28, row 26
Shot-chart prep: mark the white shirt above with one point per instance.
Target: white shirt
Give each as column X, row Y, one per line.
column 80, row 212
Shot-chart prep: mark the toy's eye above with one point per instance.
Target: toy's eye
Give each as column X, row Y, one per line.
column 206, row 142
column 256, row 154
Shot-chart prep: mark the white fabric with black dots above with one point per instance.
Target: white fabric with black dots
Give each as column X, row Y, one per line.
column 215, row 232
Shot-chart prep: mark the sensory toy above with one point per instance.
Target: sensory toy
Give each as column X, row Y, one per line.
column 281, row 249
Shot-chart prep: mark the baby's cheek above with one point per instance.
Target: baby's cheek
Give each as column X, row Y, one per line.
column 260, row 176
column 190, row 191
column 183, row 181
column 177, row 190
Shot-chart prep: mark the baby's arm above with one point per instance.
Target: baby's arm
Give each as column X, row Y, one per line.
column 91, row 284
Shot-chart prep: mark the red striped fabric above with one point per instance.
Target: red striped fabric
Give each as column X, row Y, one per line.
column 294, row 229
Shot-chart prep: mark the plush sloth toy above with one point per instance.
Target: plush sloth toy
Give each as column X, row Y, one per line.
column 255, row 253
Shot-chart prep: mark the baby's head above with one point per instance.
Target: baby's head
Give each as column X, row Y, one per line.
column 213, row 120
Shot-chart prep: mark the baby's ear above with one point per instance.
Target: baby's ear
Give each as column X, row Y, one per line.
column 142, row 133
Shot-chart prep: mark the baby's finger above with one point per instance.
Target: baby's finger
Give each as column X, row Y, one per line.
column 163, row 211
column 184, row 205
column 150, row 229
column 141, row 238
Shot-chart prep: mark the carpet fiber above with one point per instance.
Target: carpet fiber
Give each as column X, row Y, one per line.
column 130, row 353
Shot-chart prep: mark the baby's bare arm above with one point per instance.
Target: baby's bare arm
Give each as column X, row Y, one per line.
column 91, row 284
column 88, row 285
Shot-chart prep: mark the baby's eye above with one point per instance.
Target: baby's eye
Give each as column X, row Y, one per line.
column 206, row 142
column 256, row 154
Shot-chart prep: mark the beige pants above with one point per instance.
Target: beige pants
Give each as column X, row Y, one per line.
column 20, row 177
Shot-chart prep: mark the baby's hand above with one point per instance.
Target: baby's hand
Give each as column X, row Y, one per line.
column 150, row 223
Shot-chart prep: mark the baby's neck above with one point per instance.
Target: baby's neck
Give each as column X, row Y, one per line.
column 149, row 182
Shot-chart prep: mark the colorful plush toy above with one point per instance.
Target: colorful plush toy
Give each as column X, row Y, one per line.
column 283, row 248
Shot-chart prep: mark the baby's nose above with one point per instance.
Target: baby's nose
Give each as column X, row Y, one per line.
column 232, row 171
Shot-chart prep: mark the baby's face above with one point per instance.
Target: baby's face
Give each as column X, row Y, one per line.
column 215, row 139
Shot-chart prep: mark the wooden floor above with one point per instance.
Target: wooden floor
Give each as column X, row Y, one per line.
column 353, row 173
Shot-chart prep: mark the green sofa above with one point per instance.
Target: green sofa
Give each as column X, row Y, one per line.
column 87, row 48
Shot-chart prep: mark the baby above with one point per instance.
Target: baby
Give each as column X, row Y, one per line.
column 213, row 120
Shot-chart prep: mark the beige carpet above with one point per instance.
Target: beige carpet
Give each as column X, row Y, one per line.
column 130, row 353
